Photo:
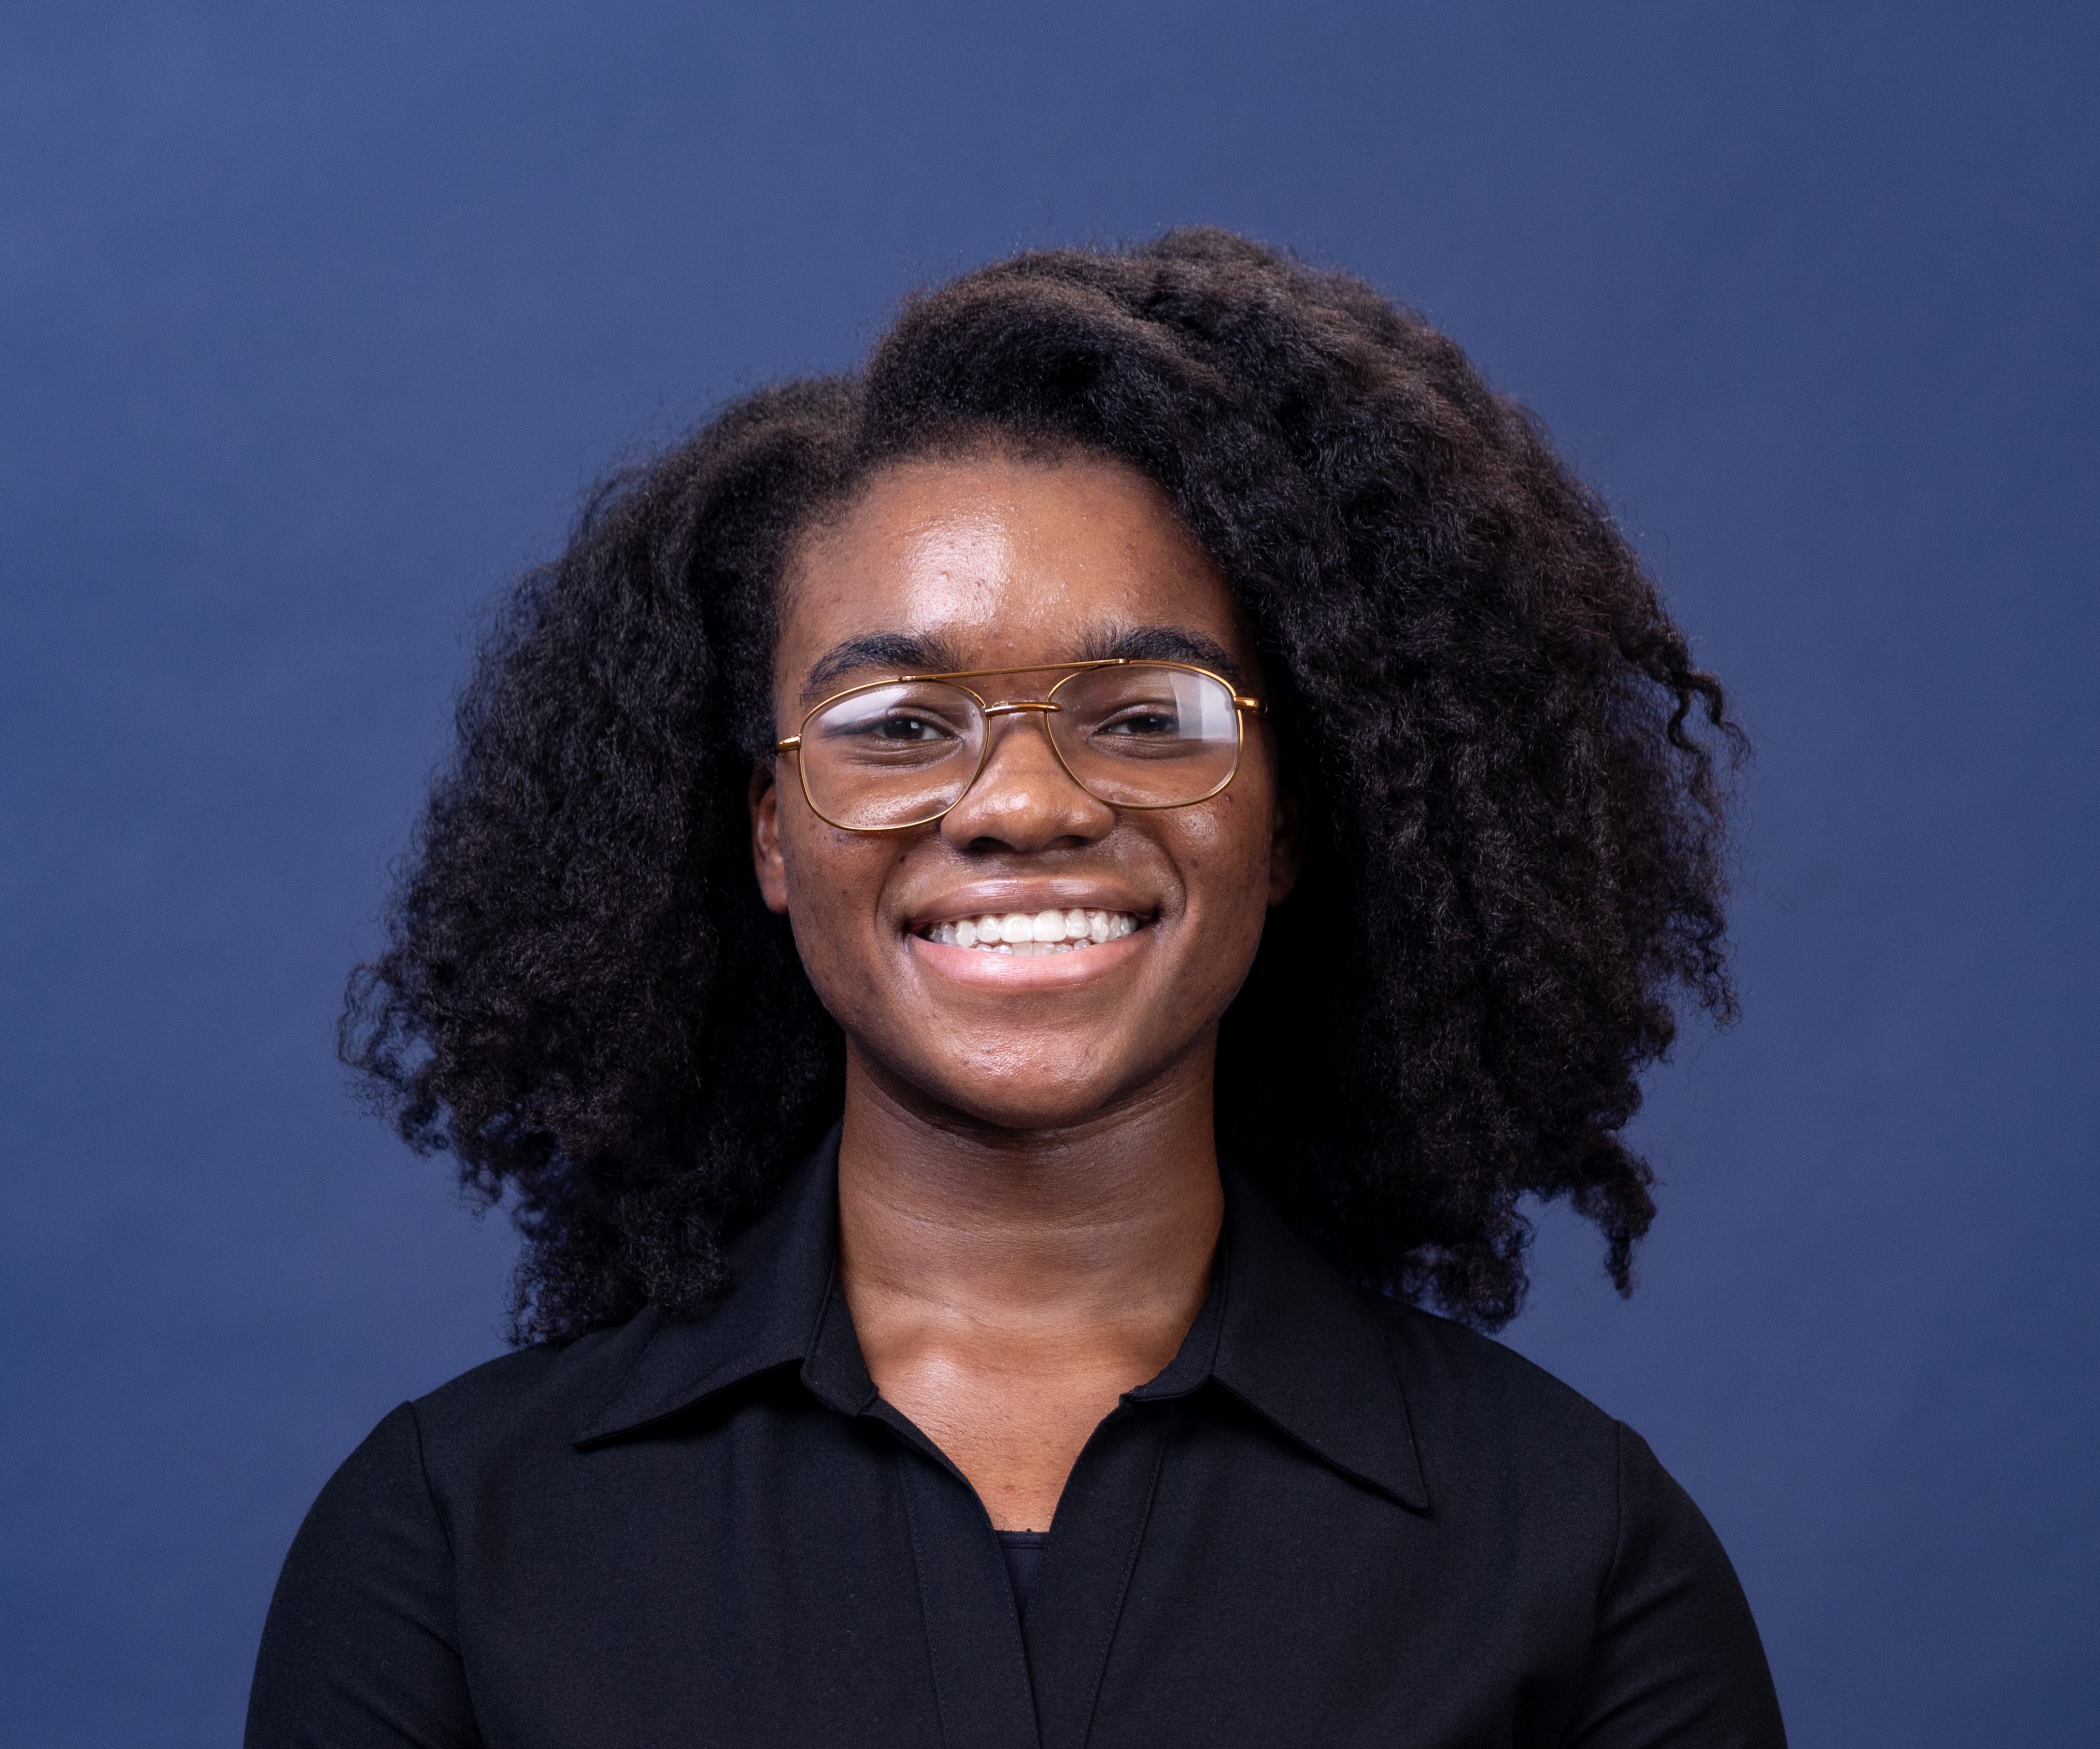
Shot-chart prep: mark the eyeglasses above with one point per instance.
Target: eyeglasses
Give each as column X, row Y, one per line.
column 898, row 753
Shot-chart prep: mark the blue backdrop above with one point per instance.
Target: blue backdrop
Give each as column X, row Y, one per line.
column 318, row 321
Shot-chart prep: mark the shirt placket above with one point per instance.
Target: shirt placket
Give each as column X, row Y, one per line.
column 1002, row 1681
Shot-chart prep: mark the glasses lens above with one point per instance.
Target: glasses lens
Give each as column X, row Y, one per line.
column 892, row 756
column 1147, row 737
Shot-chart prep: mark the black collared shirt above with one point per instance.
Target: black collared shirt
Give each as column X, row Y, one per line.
column 1332, row 1520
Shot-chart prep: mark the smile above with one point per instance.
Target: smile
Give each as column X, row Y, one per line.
column 1026, row 934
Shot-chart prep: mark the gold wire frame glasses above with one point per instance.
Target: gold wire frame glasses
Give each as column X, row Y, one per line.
column 887, row 755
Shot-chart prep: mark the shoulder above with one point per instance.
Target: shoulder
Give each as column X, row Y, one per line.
column 513, row 1414
column 1498, row 1434
column 1454, row 1372
column 1582, row 1505
column 366, row 1620
column 526, row 1405
column 1494, row 1427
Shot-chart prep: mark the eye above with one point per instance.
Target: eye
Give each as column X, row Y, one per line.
column 1141, row 721
column 906, row 728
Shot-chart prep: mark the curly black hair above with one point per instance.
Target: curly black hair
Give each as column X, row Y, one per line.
column 1511, row 770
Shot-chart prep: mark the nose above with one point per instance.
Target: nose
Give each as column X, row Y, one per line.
column 1024, row 799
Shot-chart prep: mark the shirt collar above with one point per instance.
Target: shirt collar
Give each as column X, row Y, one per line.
column 771, row 1315
column 1281, row 1330
column 1305, row 1351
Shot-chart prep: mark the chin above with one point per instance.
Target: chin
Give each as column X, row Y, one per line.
column 1020, row 1106
column 1027, row 1089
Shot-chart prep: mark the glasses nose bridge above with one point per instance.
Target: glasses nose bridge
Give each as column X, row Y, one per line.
column 1057, row 675
column 1041, row 710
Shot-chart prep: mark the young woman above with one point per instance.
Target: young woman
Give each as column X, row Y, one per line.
column 1000, row 920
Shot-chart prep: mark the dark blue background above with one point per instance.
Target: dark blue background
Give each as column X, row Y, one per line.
column 316, row 323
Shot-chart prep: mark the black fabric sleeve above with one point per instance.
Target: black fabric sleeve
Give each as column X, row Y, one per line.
column 360, row 1650
column 1677, row 1663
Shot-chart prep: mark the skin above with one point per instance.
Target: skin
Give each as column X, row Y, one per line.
column 1028, row 1198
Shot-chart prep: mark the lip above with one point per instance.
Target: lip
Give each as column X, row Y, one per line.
column 998, row 898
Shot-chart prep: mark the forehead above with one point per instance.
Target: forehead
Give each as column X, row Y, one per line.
column 989, row 561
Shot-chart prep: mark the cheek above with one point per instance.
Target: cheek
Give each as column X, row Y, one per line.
column 828, row 909
column 835, row 882
column 1223, row 851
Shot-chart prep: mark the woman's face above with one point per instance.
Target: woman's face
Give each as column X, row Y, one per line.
column 989, row 562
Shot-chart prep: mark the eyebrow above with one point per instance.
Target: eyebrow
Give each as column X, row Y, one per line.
column 902, row 653
column 893, row 652
column 1161, row 643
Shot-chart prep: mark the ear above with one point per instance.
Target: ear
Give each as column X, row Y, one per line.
column 766, row 857
column 1286, row 842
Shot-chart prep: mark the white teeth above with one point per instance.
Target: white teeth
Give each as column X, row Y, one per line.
column 1031, row 933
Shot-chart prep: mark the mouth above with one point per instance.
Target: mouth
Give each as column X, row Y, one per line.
column 1034, row 934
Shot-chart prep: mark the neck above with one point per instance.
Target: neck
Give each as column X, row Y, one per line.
column 1112, row 1221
